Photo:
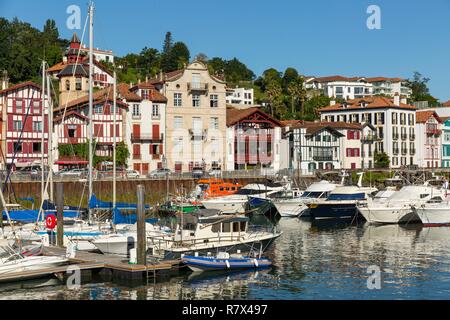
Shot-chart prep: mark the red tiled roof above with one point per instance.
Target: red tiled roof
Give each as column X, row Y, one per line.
column 235, row 115
column 68, row 114
column 154, row 94
column 423, row 116
column 57, row 67
column 21, row 85
column 337, row 78
column 371, row 103
column 124, row 90
column 100, row 96
column 446, row 104
column 379, row 79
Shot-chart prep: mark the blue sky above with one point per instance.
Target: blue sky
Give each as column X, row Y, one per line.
column 321, row 37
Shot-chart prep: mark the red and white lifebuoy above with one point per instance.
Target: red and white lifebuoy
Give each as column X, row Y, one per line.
column 50, row 222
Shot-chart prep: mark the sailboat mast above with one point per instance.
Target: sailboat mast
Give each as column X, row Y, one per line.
column 91, row 125
column 42, row 129
column 114, row 138
column 50, row 138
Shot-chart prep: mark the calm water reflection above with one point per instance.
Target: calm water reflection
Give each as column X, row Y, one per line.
column 311, row 261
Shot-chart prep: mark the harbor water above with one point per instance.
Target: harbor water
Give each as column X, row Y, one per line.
column 326, row 260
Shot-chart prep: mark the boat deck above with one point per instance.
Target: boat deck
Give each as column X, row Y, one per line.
column 117, row 267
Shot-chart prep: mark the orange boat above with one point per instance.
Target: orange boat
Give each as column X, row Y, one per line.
column 217, row 187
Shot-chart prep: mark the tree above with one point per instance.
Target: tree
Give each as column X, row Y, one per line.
column 290, row 75
column 147, row 62
column 419, row 87
column 311, row 106
column 168, row 42
column 381, row 160
column 297, row 91
column 122, row 154
column 201, row 57
column 275, row 97
column 180, row 53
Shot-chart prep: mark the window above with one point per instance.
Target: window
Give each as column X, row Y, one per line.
column 37, row 126
column 155, row 110
column 36, row 147
column 339, row 90
column 177, row 102
column 214, row 101
column 67, row 85
column 78, row 84
column 98, row 109
column 17, row 146
column 71, row 133
column 195, row 100
column 19, row 104
column 145, row 94
column 136, row 110
column 17, row 125
column 178, row 123
column 214, row 123
column 36, row 106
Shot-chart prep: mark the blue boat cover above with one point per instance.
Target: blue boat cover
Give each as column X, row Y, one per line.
column 95, row 203
column 47, row 205
column 119, row 218
column 351, row 196
column 30, row 216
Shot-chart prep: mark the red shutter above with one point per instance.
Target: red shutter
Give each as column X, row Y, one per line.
column 357, row 152
column 156, row 131
column 358, row 135
column 66, row 131
column 78, row 133
column 136, row 130
column 144, row 168
column 136, row 149
column 161, row 149
column 151, row 149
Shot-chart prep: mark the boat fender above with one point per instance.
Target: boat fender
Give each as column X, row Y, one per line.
column 227, row 263
column 256, row 262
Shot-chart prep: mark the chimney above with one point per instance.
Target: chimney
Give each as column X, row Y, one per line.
column 396, row 99
column 332, row 102
column 139, row 81
column 5, row 80
column 146, row 78
column 403, row 99
column 131, row 84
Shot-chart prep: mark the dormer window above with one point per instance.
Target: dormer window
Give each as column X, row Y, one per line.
column 145, row 94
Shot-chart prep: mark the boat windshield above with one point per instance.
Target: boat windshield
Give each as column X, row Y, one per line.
column 347, row 196
column 249, row 191
column 312, row 194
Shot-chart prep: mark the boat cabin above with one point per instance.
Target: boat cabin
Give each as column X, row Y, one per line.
column 212, row 188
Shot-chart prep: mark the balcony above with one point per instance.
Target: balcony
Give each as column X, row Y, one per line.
column 147, row 137
column 404, row 151
column 433, row 131
column 404, row 136
column 137, row 156
column 369, row 138
column 412, row 151
column 395, row 151
column 197, row 86
column 395, row 136
column 156, row 156
column 198, row 134
column 136, row 116
column 412, row 137
column 323, row 158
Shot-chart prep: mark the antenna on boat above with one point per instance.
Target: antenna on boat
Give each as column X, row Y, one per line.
column 42, row 128
column 91, row 125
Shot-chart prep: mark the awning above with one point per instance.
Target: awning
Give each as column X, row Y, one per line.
column 72, row 162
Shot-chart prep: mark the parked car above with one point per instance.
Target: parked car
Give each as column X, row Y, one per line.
column 160, row 173
column 74, row 173
column 197, row 173
column 133, row 174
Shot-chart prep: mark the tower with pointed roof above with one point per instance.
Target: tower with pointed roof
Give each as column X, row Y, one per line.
column 73, row 78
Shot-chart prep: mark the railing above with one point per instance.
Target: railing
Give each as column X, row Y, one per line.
column 147, row 137
column 404, row 136
column 156, row 156
column 412, row 151
column 412, row 137
column 395, row 136
column 198, row 86
column 395, row 151
column 404, row 151
column 433, row 131
column 323, row 158
column 369, row 138
column 136, row 116
column 137, row 156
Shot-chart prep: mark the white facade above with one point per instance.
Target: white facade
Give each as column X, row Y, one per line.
column 395, row 128
column 99, row 55
column 341, row 87
column 389, row 86
column 429, row 143
column 240, row 96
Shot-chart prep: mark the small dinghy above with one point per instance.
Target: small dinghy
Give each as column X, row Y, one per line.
column 224, row 261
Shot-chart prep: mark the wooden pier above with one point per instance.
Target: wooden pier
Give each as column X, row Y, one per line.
column 115, row 267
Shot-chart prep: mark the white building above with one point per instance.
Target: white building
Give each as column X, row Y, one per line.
column 389, row 86
column 341, row 87
column 394, row 121
column 100, row 55
column 145, row 127
column 240, row 96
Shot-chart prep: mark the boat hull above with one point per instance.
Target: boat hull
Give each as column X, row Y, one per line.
column 199, row 264
column 434, row 217
column 227, row 206
column 255, row 202
column 289, row 208
column 388, row 215
column 333, row 210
